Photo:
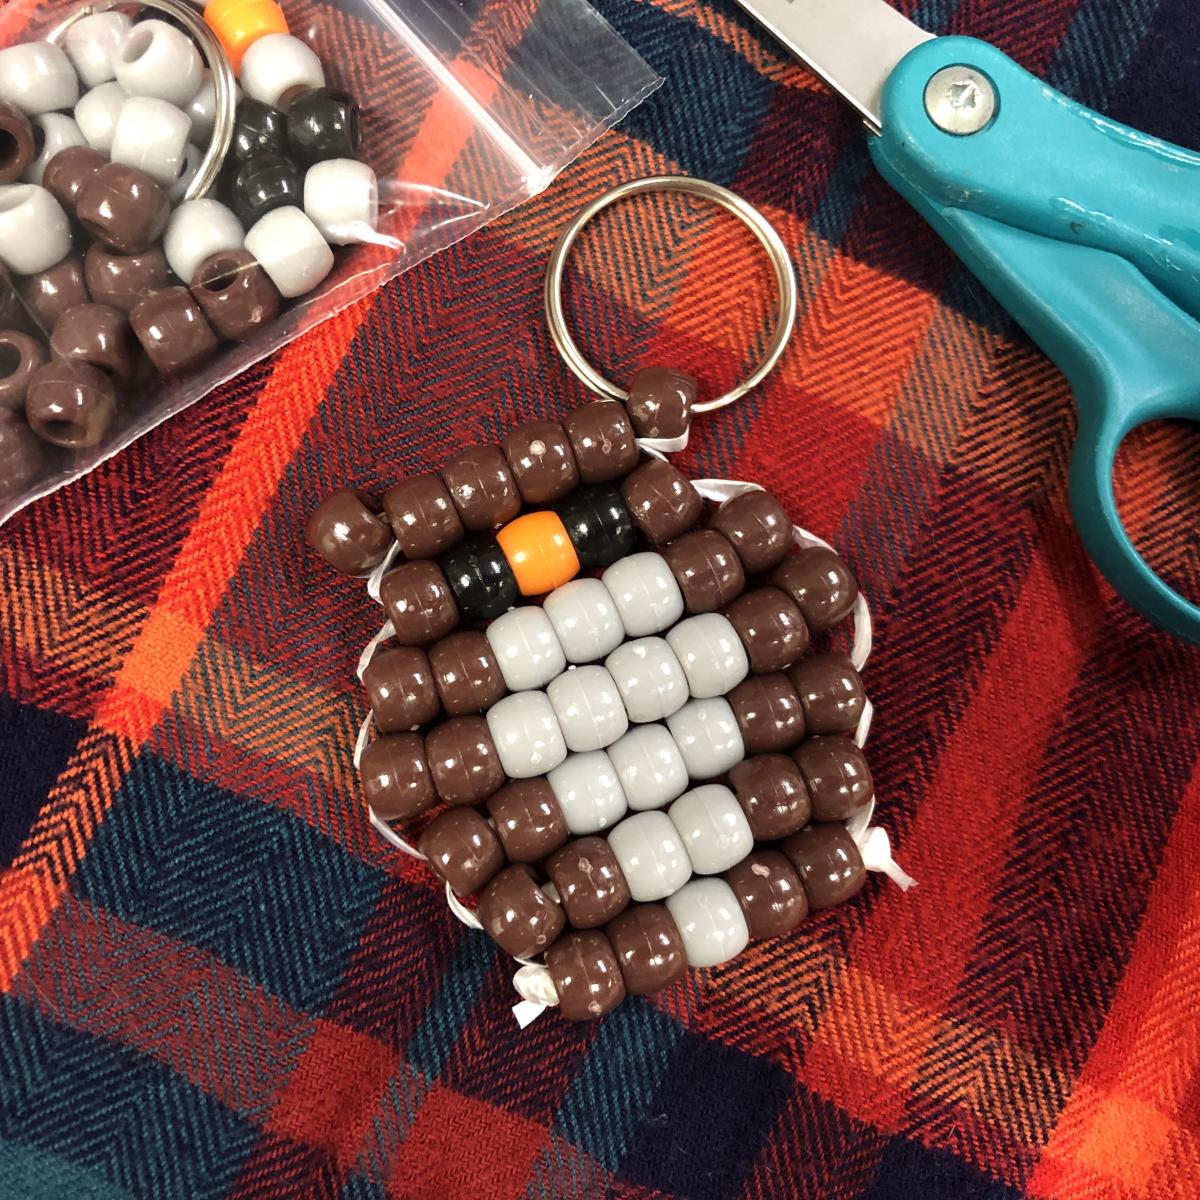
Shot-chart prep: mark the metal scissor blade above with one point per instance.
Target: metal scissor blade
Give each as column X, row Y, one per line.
column 852, row 44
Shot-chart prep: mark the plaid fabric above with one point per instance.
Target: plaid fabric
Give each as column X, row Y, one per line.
column 216, row 982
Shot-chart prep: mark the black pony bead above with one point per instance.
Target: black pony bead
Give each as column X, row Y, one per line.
column 265, row 182
column 480, row 578
column 257, row 129
column 598, row 523
column 323, row 123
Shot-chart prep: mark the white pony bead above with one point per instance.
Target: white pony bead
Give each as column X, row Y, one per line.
column 710, row 922
column 277, row 67
column 645, row 593
column 202, row 109
column 97, row 112
column 648, row 675
column 526, row 733
column 651, row 853
column 526, row 647
column 58, row 132
column 584, row 618
column 34, row 231
column 341, row 197
column 711, row 654
column 151, row 135
column 588, row 707
column 708, row 737
column 192, row 157
column 290, row 248
column 649, row 766
column 587, row 790
column 197, row 229
column 156, row 59
column 91, row 45
column 713, row 828
column 37, row 77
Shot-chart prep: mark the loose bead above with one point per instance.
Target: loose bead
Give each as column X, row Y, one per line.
column 151, row 135
column 67, row 171
column 467, row 675
column 820, row 583
column 463, row 849
column 278, row 67
column 37, row 77
column 237, row 297
column 322, row 125
column 710, row 922
column 708, row 738
column 20, row 357
column 758, row 529
column 527, row 735
column 257, row 129
column 651, row 855
column 528, row 820
column 264, row 183
column 768, row 713
column 157, row 60
column 837, row 777
column 772, row 794
column 463, row 760
column 711, row 654
column 96, row 115
column 588, row 879
column 712, row 827
column 598, row 524
column 123, row 281
column 517, row 914
column 190, row 169
column 95, row 334
column 587, row 977
column 647, row 597
column 291, row 250
column 539, row 456
column 648, row 675
column 91, row 45
column 602, row 440
column 34, row 230
column 831, row 693
column 588, row 707
column 828, row 862
column 238, row 24
column 660, row 402
column 662, row 501
column 123, row 208
column 70, row 404
column 173, row 331
column 197, row 230
column 423, row 518
column 585, row 620
column 201, row 110
column 341, row 198
column 395, row 777
column 50, row 293
column 769, row 893
column 588, row 791
column 649, row 948
column 539, row 552
column 418, row 603
column 56, row 132
column 526, row 648
column 708, row 572
column 17, row 149
column 482, row 488
column 347, row 534
column 770, row 626
column 21, row 456
column 400, row 688
column 649, row 766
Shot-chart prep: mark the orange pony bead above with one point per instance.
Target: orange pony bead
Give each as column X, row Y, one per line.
column 238, row 23
column 539, row 552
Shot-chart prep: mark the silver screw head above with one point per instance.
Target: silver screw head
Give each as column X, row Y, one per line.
column 959, row 100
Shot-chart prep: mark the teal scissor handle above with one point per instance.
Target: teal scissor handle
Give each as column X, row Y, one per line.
column 1088, row 233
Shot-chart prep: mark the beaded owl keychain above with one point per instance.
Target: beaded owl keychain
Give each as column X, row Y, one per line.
column 645, row 770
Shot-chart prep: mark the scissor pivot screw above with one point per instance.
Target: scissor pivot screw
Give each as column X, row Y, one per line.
column 959, row 100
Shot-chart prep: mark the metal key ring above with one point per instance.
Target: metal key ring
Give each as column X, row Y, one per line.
column 224, row 85
column 758, row 225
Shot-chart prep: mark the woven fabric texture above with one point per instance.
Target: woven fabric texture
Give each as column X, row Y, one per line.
column 217, row 982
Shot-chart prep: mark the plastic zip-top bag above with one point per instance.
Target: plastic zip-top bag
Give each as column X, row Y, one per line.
column 363, row 136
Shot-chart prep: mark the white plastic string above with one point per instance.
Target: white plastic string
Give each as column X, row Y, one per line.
column 390, row 835
column 368, row 653
column 460, row 910
column 876, row 850
column 376, row 576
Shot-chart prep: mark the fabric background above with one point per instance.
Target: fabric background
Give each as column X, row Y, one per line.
column 216, row 982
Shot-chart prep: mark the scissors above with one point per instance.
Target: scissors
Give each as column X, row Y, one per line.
column 1085, row 230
